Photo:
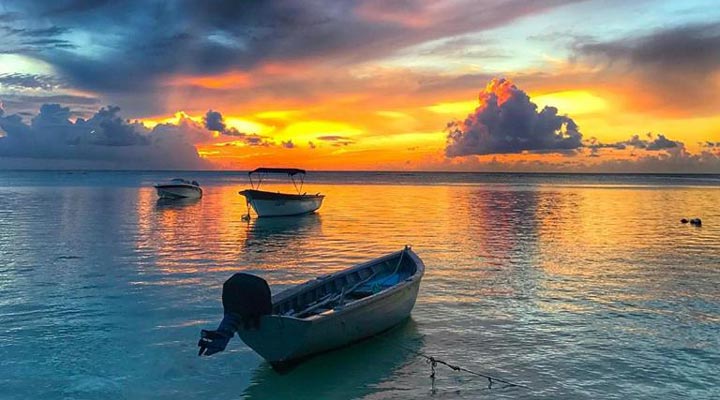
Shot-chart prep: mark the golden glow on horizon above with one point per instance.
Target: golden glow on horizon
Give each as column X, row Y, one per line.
column 393, row 124
column 454, row 108
column 572, row 102
column 175, row 119
column 309, row 130
column 247, row 126
column 279, row 114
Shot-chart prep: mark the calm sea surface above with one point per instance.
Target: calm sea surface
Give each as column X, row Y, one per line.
column 580, row 287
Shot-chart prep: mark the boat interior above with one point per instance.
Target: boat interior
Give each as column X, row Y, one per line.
column 331, row 292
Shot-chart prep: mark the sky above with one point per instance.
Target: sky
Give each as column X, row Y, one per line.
column 492, row 85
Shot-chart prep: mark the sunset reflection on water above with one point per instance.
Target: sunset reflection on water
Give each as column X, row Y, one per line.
column 522, row 277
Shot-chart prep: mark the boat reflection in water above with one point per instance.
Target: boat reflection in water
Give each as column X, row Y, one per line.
column 281, row 231
column 170, row 203
column 351, row 372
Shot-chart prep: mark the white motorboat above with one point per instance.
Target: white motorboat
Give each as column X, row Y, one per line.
column 275, row 204
column 319, row 315
column 179, row 189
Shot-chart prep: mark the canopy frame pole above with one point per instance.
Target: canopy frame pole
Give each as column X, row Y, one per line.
column 302, row 181
column 255, row 185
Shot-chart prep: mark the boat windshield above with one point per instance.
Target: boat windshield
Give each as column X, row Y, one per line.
column 291, row 173
column 184, row 181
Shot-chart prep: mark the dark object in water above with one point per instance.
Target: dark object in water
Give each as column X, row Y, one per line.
column 684, row 221
column 696, row 222
column 245, row 299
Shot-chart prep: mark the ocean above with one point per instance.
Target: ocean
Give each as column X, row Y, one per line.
column 576, row 286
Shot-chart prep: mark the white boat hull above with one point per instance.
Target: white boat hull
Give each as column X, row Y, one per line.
column 268, row 204
column 178, row 191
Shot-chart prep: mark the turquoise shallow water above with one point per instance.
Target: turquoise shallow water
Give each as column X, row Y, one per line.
column 577, row 286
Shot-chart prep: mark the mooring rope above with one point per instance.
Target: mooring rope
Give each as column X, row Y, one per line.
column 434, row 361
column 246, row 217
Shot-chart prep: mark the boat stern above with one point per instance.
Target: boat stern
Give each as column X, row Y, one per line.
column 278, row 339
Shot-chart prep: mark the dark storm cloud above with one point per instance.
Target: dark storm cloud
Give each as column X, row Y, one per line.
column 32, row 40
column 42, row 32
column 104, row 140
column 690, row 49
column 679, row 63
column 9, row 16
column 508, row 122
column 144, row 41
column 60, row 7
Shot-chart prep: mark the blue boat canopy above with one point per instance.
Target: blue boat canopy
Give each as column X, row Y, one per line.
column 289, row 171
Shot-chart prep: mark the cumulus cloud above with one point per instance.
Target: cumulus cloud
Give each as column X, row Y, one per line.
column 693, row 50
column 105, row 140
column 506, row 121
column 214, row 121
column 288, row 145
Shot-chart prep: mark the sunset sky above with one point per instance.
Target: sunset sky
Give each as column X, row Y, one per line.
column 629, row 86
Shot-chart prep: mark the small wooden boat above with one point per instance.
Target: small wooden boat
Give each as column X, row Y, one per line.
column 271, row 204
column 179, row 188
column 326, row 313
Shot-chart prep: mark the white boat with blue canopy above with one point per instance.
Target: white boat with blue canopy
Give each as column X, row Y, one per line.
column 320, row 315
column 276, row 204
column 179, row 188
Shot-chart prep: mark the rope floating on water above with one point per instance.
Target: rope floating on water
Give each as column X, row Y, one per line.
column 434, row 361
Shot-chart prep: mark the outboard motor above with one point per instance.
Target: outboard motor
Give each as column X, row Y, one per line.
column 247, row 296
column 245, row 299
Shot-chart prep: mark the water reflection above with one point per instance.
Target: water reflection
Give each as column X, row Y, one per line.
column 282, row 231
column 167, row 203
column 582, row 292
column 342, row 374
